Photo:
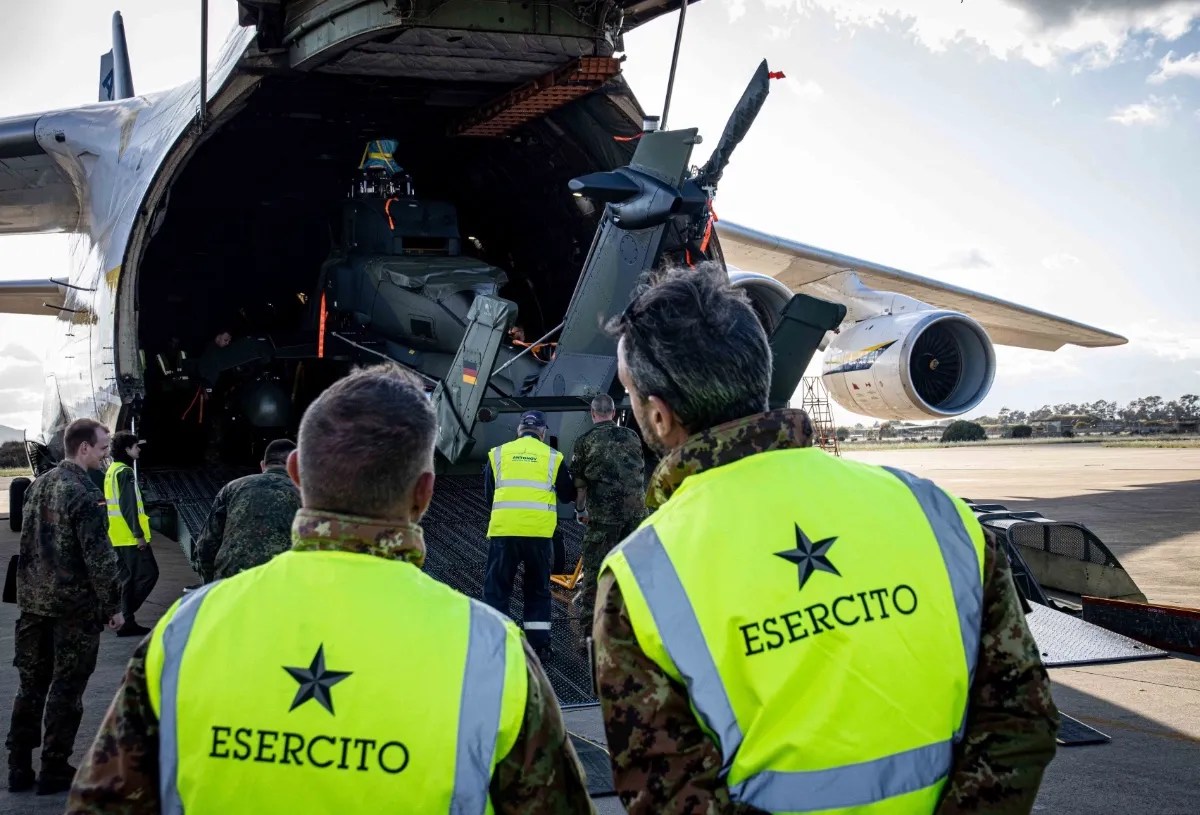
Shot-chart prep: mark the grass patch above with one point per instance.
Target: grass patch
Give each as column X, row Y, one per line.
column 1165, row 442
column 13, row 472
column 850, row 447
column 1168, row 443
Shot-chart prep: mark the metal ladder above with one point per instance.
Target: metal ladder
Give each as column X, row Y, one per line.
column 814, row 401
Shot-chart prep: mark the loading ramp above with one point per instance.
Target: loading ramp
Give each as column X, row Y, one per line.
column 456, row 543
column 456, row 551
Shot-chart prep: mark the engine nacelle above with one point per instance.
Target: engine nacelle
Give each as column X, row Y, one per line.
column 917, row 366
column 767, row 295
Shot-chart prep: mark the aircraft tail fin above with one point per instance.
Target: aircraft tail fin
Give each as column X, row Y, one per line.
column 116, row 75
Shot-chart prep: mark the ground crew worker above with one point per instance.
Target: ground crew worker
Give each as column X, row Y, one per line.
column 521, row 481
column 338, row 677
column 829, row 622
column 610, row 495
column 129, row 530
column 68, row 589
column 250, row 521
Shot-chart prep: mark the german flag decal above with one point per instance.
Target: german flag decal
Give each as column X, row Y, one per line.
column 470, row 369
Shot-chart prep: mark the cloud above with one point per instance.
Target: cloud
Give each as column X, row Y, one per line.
column 1057, row 101
column 1056, row 13
column 20, row 376
column 736, row 9
column 1059, row 261
column 1165, row 342
column 19, row 352
column 1156, row 111
column 1091, row 34
column 966, row 259
column 808, row 89
column 1169, row 68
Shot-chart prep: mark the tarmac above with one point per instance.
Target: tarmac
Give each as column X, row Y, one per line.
column 1143, row 503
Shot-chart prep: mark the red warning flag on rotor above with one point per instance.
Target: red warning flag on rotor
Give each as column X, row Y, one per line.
column 776, row 75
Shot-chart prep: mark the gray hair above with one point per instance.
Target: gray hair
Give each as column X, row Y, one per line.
column 364, row 441
column 603, row 405
column 695, row 342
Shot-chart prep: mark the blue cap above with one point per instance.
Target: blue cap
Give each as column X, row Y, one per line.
column 533, row 418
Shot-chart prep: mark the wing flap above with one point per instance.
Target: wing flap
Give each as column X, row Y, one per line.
column 801, row 267
column 35, row 194
column 38, row 297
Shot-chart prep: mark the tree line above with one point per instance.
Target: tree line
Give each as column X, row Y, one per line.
column 1146, row 409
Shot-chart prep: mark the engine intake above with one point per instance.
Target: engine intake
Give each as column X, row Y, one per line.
column 921, row 365
column 767, row 295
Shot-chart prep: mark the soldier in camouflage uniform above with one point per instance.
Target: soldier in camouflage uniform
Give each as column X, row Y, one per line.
column 610, row 495
column 695, row 349
column 251, row 519
column 68, row 589
column 368, row 441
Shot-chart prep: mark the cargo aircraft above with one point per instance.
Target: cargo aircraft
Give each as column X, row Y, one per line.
column 466, row 188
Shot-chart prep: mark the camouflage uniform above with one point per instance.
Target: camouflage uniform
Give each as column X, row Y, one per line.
column 607, row 463
column 541, row 775
column 664, row 762
column 68, row 586
column 250, row 522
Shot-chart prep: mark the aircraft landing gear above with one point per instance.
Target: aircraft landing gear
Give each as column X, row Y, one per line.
column 16, row 501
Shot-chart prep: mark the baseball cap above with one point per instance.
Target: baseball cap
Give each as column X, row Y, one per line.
column 533, row 418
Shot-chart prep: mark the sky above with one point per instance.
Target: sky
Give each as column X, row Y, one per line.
column 1042, row 151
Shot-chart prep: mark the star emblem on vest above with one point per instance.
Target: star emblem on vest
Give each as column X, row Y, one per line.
column 315, row 681
column 810, row 557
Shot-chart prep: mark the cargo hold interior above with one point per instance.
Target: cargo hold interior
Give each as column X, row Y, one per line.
column 256, row 210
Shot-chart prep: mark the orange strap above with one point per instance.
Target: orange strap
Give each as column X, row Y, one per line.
column 321, row 331
column 708, row 227
column 202, row 399
column 387, row 210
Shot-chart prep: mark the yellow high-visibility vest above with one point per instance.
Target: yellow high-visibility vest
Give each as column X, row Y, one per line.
column 825, row 617
column 525, row 504
column 118, row 530
column 333, row 682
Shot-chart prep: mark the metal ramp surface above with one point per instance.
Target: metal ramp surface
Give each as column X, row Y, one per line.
column 190, row 492
column 1066, row 640
column 596, row 765
column 1072, row 732
column 456, row 552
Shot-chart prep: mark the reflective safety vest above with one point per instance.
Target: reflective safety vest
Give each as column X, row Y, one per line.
column 333, row 682
column 118, row 529
column 825, row 617
column 525, row 504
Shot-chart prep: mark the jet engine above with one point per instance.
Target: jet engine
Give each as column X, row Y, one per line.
column 916, row 366
column 767, row 295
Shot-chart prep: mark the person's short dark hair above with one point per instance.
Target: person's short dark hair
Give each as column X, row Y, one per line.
column 78, row 432
column 365, row 440
column 694, row 341
column 120, row 443
column 603, row 404
column 277, row 452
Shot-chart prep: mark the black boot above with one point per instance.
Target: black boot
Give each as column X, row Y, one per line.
column 55, row 777
column 132, row 629
column 20, row 772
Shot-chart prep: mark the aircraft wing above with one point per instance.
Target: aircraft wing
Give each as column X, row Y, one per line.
column 30, row 297
column 798, row 266
column 35, row 194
